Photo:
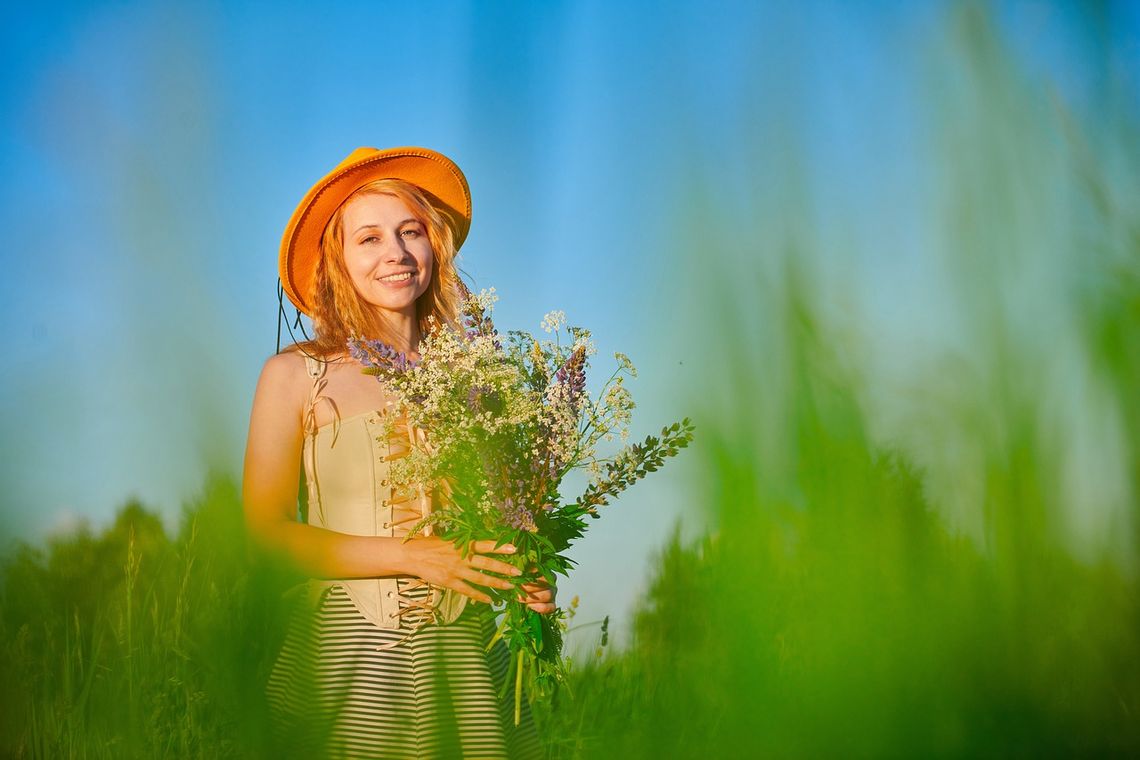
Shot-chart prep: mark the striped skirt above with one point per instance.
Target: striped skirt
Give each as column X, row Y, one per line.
column 334, row 692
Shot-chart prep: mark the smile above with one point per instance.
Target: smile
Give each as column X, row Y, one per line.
column 401, row 277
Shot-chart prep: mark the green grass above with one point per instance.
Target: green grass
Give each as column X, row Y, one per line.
column 834, row 612
column 128, row 643
column 834, row 606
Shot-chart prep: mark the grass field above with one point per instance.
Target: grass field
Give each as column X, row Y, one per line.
column 960, row 582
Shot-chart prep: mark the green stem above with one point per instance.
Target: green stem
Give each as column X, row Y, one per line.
column 498, row 633
column 518, row 686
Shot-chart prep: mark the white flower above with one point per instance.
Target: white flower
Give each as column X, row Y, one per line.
column 625, row 363
column 553, row 321
column 486, row 299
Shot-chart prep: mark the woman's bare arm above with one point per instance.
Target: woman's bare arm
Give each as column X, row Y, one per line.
column 269, row 494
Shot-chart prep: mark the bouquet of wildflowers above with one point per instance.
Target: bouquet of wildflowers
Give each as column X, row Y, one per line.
column 506, row 420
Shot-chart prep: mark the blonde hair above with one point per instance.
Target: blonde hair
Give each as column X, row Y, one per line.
column 339, row 311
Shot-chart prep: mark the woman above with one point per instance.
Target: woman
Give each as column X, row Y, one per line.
column 370, row 252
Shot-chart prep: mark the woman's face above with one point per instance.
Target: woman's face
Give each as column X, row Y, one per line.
column 386, row 252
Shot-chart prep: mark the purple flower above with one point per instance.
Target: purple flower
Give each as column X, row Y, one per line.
column 378, row 355
column 518, row 516
column 484, row 398
column 476, row 321
column 573, row 375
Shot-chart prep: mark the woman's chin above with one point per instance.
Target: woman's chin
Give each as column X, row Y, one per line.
column 393, row 304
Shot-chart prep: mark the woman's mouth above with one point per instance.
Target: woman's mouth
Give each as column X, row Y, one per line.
column 396, row 279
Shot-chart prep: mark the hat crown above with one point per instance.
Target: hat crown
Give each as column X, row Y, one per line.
column 355, row 157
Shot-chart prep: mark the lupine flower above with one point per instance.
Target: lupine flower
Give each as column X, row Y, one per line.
column 376, row 354
column 477, row 315
column 572, row 374
column 484, row 398
column 517, row 515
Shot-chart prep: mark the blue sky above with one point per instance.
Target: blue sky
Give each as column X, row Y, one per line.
column 152, row 153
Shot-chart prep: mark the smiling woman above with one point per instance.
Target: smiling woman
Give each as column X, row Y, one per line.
column 369, row 253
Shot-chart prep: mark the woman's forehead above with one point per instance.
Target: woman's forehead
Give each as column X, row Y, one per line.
column 377, row 208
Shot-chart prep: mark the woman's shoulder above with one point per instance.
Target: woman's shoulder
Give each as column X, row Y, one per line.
column 288, row 378
column 296, row 365
column 289, row 372
column 284, row 365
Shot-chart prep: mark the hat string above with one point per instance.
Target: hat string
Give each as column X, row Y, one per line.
column 289, row 325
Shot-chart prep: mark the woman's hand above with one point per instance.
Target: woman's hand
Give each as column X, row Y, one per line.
column 539, row 595
column 441, row 563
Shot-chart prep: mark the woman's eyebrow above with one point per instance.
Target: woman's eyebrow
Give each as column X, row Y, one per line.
column 411, row 220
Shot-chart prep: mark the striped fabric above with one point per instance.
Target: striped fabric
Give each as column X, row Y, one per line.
column 341, row 689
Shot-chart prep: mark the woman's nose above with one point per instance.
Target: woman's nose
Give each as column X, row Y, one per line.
column 395, row 250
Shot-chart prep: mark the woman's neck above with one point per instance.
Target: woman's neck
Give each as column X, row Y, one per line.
column 405, row 332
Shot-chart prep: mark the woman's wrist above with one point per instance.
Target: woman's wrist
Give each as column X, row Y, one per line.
column 399, row 555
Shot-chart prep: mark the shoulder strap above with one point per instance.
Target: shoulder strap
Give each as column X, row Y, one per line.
column 316, row 369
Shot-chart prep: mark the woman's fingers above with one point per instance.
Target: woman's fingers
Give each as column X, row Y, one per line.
column 441, row 563
column 540, row 599
column 470, row 591
column 542, row 609
column 534, row 594
column 494, row 565
column 541, row 602
column 482, row 579
column 539, row 582
column 468, row 570
column 539, row 594
column 488, row 547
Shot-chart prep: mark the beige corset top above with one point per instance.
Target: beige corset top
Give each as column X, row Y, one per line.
column 346, row 473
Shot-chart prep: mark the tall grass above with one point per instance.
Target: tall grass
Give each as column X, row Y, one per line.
column 842, row 604
column 128, row 643
column 834, row 613
column 839, row 605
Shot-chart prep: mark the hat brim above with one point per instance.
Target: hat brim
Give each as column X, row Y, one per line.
column 438, row 176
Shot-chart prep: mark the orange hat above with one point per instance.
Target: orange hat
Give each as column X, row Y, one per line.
column 434, row 173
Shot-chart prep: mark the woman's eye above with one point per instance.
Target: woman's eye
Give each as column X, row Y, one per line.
column 411, row 233
column 370, row 239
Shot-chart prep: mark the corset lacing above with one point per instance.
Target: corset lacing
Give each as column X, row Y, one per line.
column 409, row 505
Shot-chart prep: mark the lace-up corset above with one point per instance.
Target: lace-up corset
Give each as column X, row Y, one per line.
column 346, row 472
